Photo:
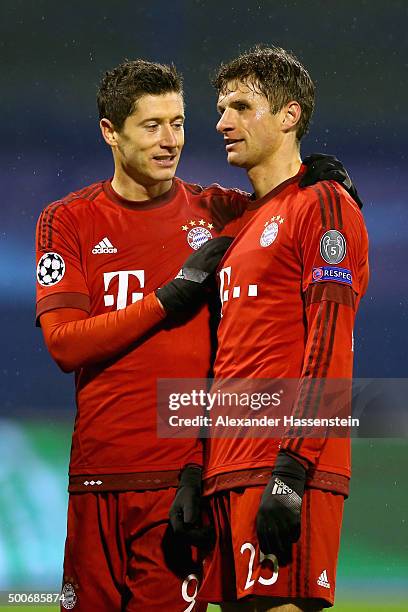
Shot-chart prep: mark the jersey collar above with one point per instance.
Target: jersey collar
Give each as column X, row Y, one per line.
column 254, row 204
column 137, row 205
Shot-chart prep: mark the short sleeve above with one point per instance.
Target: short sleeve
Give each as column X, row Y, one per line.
column 60, row 277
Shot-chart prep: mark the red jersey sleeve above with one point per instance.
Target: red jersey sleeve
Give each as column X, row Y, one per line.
column 333, row 246
column 333, row 239
column 61, row 281
column 76, row 340
column 225, row 206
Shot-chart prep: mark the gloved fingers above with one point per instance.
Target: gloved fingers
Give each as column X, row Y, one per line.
column 310, row 159
column 285, row 556
column 191, row 512
column 214, row 251
column 272, row 541
column 320, row 173
column 176, row 517
column 201, row 537
column 294, row 534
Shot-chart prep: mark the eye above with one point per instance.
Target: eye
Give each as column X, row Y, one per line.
column 178, row 125
column 241, row 107
column 151, row 127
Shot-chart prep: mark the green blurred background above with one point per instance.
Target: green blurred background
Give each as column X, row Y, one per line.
column 373, row 566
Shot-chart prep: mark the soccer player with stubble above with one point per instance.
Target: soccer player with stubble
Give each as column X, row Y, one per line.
column 111, row 311
column 277, row 503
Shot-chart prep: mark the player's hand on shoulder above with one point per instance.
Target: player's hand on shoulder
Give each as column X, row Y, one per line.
column 278, row 520
column 321, row 167
column 189, row 289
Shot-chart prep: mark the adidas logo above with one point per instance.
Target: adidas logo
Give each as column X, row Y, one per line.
column 323, row 580
column 280, row 488
column 104, row 246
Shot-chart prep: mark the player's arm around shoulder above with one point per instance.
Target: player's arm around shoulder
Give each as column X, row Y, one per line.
column 225, row 205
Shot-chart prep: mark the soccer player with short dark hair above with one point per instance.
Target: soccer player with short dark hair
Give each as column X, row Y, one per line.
column 300, row 262
column 100, row 251
column 103, row 253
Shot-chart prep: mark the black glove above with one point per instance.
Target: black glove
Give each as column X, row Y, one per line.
column 185, row 511
column 278, row 518
column 322, row 167
column 189, row 288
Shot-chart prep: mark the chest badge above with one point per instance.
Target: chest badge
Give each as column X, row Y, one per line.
column 271, row 231
column 198, row 232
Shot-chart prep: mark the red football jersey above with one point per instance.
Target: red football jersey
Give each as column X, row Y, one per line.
column 290, row 285
column 99, row 252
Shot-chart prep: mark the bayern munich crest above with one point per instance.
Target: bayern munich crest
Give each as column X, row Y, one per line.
column 68, row 596
column 198, row 232
column 50, row 269
column 271, row 230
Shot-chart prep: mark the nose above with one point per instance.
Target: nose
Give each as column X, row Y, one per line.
column 168, row 137
column 225, row 124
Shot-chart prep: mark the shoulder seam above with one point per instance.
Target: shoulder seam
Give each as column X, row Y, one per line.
column 45, row 226
column 47, row 216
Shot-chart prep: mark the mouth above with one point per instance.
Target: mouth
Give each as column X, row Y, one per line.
column 165, row 161
column 230, row 143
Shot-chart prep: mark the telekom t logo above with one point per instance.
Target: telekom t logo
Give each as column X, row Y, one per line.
column 123, row 284
column 225, row 287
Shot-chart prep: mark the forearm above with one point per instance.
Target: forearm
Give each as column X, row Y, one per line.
column 75, row 340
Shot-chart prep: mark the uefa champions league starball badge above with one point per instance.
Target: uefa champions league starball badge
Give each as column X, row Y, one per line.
column 271, row 230
column 198, row 232
column 50, row 269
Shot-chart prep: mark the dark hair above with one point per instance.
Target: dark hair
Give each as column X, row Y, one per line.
column 122, row 87
column 275, row 73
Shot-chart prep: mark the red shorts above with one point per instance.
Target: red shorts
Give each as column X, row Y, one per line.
column 236, row 568
column 120, row 554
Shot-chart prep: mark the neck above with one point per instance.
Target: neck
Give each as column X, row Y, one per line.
column 274, row 170
column 129, row 188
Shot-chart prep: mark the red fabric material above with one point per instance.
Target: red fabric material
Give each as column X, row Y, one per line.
column 75, row 340
column 326, row 481
column 233, row 569
column 139, row 481
column 115, row 253
column 119, row 553
column 279, row 321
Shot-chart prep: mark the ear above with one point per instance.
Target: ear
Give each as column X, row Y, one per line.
column 291, row 114
column 109, row 133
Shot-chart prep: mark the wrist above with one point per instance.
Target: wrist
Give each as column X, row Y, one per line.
column 286, row 462
column 290, row 471
column 190, row 476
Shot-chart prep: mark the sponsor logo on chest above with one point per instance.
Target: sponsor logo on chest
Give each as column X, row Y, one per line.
column 104, row 246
